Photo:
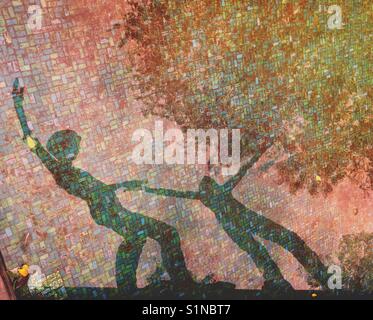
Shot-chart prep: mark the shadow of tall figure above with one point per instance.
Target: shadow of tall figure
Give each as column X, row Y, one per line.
column 104, row 206
column 241, row 223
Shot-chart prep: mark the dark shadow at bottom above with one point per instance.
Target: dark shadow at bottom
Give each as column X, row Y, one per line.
column 166, row 291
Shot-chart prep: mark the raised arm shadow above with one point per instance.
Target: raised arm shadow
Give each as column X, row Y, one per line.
column 47, row 159
column 235, row 180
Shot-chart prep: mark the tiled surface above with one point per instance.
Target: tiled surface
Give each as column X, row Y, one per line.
column 76, row 79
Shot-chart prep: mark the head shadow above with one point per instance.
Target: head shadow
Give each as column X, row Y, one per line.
column 64, row 145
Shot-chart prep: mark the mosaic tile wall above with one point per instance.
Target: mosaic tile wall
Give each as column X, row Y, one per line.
column 77, row 78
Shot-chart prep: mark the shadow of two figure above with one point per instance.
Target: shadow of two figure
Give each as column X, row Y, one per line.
column 240, row 223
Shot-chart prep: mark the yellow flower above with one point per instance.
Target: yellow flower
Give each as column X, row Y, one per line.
column 318, row 178
column 23, row 271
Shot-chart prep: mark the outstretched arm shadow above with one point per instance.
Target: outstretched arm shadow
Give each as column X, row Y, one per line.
column 173, row 193
column 133, row 185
